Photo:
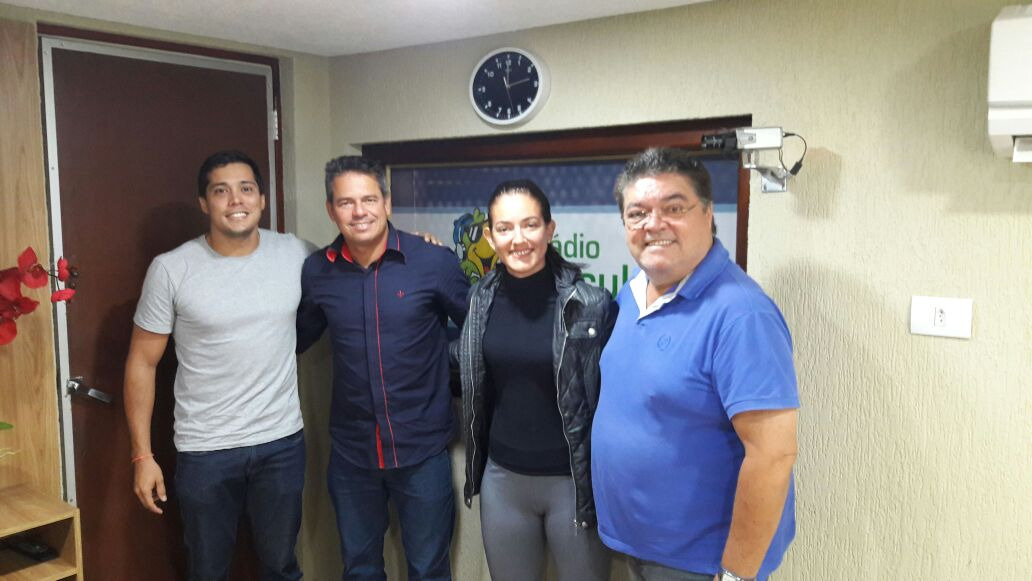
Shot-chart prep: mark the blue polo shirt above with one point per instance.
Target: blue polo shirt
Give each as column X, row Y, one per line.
column 665, row 456
column 391, row 403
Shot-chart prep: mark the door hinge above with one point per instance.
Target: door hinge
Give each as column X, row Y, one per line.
column 275, row 125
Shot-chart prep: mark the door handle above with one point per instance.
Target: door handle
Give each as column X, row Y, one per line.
column 77, row 387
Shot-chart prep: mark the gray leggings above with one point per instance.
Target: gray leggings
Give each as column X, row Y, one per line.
column 519, row 514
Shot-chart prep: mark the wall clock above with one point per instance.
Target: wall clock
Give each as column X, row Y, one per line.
column 508, row 86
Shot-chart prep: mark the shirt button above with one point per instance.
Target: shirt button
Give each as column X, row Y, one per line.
column 591, row 332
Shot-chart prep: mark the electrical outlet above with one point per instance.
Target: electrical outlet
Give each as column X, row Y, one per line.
column 941, row 317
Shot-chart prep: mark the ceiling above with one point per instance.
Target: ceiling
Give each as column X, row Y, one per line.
column 339, row 27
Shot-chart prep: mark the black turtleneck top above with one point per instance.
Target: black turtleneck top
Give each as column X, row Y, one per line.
column 526, row 431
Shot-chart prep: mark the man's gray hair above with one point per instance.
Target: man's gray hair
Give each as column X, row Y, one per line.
column 363, row 165
column 657, row 160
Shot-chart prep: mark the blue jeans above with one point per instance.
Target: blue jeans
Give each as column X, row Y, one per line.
column 265, row 483
column 425, row 501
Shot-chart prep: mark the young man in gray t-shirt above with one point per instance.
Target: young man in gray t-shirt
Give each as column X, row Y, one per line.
column 229, row 299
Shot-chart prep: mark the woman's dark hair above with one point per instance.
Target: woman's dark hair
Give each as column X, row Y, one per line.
column 527, row 187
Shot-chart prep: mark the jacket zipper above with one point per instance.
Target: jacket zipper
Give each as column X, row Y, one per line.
column 472, row 407
column 558, row 372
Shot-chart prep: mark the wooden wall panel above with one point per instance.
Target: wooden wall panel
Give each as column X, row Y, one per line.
column 28, row 395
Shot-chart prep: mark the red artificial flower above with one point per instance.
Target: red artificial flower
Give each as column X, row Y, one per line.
column 10, row 284
column 8, row 331
column 64, row 294
column 25, row 305
column 33, row 275
column 62, row 269
column 16, row 308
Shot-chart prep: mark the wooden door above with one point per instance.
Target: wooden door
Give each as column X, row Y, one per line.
column 129, row 128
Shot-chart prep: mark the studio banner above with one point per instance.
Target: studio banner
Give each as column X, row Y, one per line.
column 450, row 202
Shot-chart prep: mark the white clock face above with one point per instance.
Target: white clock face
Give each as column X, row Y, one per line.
column 508, row 86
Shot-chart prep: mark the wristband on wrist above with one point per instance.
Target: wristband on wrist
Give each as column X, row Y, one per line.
column 142, row 457
column 726, row 575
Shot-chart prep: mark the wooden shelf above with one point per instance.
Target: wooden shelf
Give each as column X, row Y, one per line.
column 14, row 567
column 48, row 520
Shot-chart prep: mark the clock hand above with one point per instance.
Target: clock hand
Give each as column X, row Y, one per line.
column 505, row 79
column 510, row 85
column 508, row 95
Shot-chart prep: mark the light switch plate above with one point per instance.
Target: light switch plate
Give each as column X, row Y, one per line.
column 941, row 317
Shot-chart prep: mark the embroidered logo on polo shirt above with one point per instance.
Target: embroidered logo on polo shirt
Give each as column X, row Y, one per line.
column 400, row 294
column 663, row 343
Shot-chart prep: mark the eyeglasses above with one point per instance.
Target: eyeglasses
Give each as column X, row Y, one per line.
column 635, row 218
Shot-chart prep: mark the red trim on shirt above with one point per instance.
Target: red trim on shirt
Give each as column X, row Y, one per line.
column 379, row 448
column 345, row 253
column 379, row 356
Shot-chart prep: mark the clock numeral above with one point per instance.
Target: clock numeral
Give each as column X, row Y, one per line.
column 498, row 113
column 530, row 69
column 535, row 84
column 529, row 100
column 489, row 73
column 508, row 113
column 519, row 108
column 481, row 89
column 488, row 105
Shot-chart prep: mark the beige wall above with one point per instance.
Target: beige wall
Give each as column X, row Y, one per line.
column 914, row 450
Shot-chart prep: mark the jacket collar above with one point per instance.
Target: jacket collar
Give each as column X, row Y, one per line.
column 566, row 279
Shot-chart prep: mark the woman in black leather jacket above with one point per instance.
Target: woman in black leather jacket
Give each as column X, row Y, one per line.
column 528, row 356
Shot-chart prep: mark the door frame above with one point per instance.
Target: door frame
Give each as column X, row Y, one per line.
column 51, row 38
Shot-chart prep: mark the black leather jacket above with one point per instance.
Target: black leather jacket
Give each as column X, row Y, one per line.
column 584, row 318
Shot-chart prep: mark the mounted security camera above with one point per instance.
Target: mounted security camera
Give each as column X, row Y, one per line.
column 745, row 138
column 752, row 140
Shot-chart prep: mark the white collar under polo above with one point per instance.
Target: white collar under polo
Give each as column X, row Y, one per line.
column 639, row 288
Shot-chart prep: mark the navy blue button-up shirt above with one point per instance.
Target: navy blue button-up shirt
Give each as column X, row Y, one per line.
column 391, row 402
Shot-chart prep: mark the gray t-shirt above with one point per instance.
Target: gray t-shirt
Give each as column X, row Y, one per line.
column 232, row 319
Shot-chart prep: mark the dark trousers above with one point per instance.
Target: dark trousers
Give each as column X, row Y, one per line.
column 425, row 500
column 265, row 483
column 649, row 571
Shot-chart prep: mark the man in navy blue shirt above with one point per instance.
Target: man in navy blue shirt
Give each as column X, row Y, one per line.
column 386, row 297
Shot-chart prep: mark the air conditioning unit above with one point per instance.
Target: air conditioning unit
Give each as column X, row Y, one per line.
column 1010, row 83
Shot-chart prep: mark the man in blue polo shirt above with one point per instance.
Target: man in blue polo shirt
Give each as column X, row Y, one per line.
column 385, row 296
column 695, row 435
